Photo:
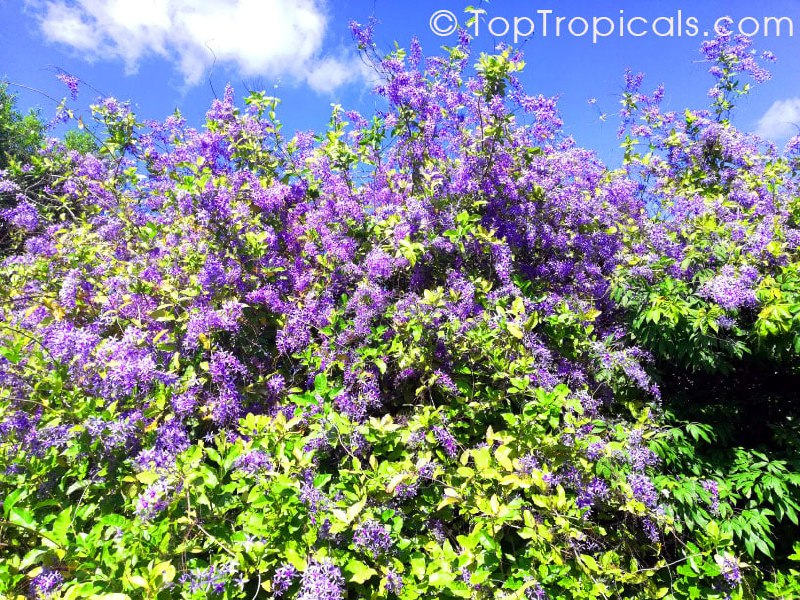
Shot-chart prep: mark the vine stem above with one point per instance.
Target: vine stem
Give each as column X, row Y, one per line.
column 209, row 535
column 32, row 530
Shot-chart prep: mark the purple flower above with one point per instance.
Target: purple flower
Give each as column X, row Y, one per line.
column 437, row 529
column 282, row 579
column 596, row 491
column 363, row 34
column 378, row 264
column 154, row 499
column 254, row 462
column 46, row 583
column 726, row 322
column 67, row 296
column 729, row 290
column 351, row 406
column 114, row 108
column 643, row 489
column 71, row 82
column 7, row 186
column 415, row 52
column 710, row 486
column 445, row 381
column 595, row 450
column 120, row 434
column 276, row 384
column 535, row 592
column 372, row 537
column 185, row 403
column 129, row 369
column 24, row 215
column 407, row 491
column 639, row 456
column 446, row 440
column 416, row 438
column 394, row 582
column 650, row 529
column 312, row 497
column 171, row 440
column 210, row 579
column 731, row 572
column 322, row 580
column 427, row 469
column 528, row 464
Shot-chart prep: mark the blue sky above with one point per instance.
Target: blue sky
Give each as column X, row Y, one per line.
column 167, row 54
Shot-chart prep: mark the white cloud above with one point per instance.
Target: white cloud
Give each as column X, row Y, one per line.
column 65, row 26
column 330, row 73
column 274, row 38
column 781, row 121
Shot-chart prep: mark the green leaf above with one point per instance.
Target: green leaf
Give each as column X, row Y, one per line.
column 418, row 565
column 501, row 455
column 515, row 331
column 61, row 525
column 589, row 562
column 138, row 582
column 358, row 571
column 12, row 498
column 22, row 517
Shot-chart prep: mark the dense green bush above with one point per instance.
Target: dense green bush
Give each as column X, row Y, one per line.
column 441, row 352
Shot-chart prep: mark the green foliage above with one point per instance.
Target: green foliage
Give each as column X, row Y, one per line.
column 411, row 350
column 21, row 135
column 80, row 141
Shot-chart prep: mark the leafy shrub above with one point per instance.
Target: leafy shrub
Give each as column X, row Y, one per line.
column 397, row 359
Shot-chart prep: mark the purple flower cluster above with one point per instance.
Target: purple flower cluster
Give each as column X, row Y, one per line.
column 650, row 529
column 394, row 582
column 312, row 497
column 24, row 215
column 528, row 464
column 640, row 457
column 373, row 538
column 71, row 82
column 154, row 499
column 254, row 462
column 46, row 584
column 731, row 572
column 535, row 592
column 322, row 580
column 116, row 435
column 407, row 491
column 427, row 469
column 643, row 489
column 729, row 290
column 730, row 55
column 171, row 439
column 282, row 579
column 446, row 440
column 212, row 579
column 595, row 491
column 628, row 361
column 710, row 486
